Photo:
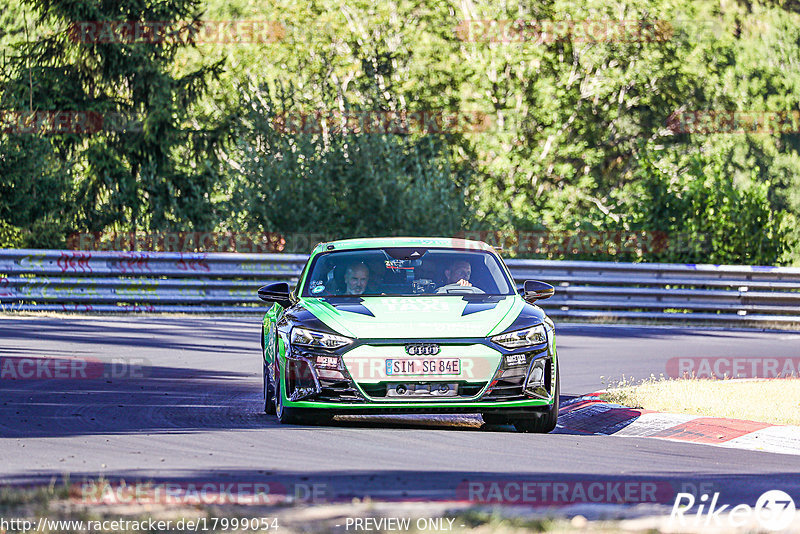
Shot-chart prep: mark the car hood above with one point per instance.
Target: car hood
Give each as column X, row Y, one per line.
column 416, row 317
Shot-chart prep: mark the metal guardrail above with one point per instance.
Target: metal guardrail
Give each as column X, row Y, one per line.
column 67, row 280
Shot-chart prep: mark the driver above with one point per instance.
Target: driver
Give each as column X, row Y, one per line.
column 356, row 278
column 458, row 272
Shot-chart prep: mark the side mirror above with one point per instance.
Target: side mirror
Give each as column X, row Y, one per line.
column 534, row 290
column 277, row 292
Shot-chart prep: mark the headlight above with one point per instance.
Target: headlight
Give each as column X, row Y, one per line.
column 527, row 337
column 320, row 340
column 551, row 337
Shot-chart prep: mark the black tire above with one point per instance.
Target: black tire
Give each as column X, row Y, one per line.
column 495, row 419
column 546, row 422
column 297, row 416
column 269, row 393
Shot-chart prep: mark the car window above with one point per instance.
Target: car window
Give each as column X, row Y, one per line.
column 405, row 272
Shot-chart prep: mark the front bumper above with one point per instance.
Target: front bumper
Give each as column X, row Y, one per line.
column 358, row 383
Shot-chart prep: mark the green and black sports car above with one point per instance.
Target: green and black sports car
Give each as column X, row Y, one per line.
column 409, row 325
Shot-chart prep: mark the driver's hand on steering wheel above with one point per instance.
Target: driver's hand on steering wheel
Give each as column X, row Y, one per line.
column 463, row 282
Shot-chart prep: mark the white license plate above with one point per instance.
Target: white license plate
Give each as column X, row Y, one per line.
column 327, row 361
column 515, row 359
column 423, row 366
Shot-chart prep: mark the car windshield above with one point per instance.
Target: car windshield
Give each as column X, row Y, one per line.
column 405, row 272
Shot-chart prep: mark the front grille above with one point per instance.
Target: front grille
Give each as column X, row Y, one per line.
column 509, row 381
column 507, row 389
column 470, row 390
column 374, row 390
column 338, row 390
column 299, row 376
column 337, row 385
column 466, row 390
column 334, row 384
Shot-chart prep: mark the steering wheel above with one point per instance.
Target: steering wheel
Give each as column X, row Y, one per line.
column 458, row 288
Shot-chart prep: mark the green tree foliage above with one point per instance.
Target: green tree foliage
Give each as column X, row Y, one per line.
column 152, row 164
column 710, row 219
column 36, row 192
column 346, row 184
column 10, row 236
column 580, row 137
column 573, row 111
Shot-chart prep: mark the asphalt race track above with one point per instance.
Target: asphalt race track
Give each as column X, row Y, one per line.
column 190, row 410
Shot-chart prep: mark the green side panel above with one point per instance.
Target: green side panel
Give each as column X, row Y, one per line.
column 478, row 406
column 270, row 332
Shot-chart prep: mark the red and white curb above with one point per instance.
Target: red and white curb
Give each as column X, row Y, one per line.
column 591, row 415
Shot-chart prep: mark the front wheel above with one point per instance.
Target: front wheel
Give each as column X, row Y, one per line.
column 546, row 422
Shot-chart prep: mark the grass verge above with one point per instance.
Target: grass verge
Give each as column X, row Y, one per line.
column 59, row 510
column 775, row 401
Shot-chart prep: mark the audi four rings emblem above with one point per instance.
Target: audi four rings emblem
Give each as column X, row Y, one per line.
column 422, row 349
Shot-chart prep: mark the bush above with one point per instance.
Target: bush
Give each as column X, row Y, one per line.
column 10, row 236
column 345, row 185
column 716, row 220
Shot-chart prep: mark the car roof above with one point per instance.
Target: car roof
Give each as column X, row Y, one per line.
column 381, row 242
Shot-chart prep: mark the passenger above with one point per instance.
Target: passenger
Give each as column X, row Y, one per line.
column 356, row 278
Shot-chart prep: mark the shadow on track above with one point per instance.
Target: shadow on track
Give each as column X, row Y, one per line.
column 157, row 333
column 621, row 330
column 162, row 400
